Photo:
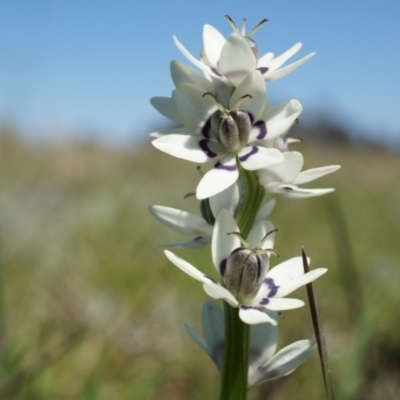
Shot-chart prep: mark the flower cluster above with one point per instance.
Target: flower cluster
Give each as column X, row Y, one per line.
column 226, row 119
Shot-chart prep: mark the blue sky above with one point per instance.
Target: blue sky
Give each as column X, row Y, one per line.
column 89, row 67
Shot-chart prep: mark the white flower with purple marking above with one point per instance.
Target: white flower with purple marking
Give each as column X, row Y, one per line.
column 240, row 132
column 264, row 362
column 231, row 60
column 283, row 178
column 200, row 227
column 270, row 285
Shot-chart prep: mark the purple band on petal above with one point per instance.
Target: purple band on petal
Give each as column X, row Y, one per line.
column 263, row 70
column 273, row 289
column 206, row 129
column 286, row 187
column 203, row 144
column 222, row 267
column 215, row 72
column 264, row 301
column 230, row 168
column 262, row 127
column 244, row 307
column 245, row 157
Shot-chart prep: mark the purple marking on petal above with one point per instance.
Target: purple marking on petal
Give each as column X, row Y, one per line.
column 206, row 129
column 211, row 279
column 254, row 150
column 230, row 168
column 263, row 70
column 203, row 144
column 264, row 301
column 244, row 307
column 286, row 188
column 216, row 72
column 273, row 289
column 251, row 117
column 262, row 127
column 222, row 267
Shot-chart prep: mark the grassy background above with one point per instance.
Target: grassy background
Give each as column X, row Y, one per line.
column 91, row 309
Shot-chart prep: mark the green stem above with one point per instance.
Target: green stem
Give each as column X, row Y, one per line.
column 234, row 376
column 252, row 194
column 236, row 349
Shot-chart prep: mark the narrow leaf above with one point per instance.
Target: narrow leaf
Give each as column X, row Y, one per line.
column 320, row 337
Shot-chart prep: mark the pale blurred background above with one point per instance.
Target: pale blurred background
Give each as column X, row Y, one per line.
column 89, row 307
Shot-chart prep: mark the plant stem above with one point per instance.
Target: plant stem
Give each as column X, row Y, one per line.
column 237, row 333
column 234, row 376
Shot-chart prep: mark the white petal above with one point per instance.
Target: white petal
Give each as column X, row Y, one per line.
column 182, row 73
column 265, row 211
column 191, row 107
column 283, row 363
column 251, row 315
column 187, row 267
column 237, row 59
column 257, row 157
column 265, row 60
column 190, row 148
column 280, row 118
column 259, row 231
column 210, row 286
column 315, row 173
column 165, row 132
column 280, row 60
column 223, row 175
column 294, row 192
column 216, row 291
column 284, row 172
column 223, row 244
column 290, row 287
column 278, row 304
column 165, row 107
column 192, row 59
column 181, row 221
column 254, row 86
column 282, row 72
column 287, row 270
column 227, row 199
column 213, row 42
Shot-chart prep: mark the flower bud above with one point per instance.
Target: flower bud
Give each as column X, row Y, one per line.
column 231, row 129
column 245, row 271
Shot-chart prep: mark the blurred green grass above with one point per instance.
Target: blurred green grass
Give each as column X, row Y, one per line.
column 91, row 309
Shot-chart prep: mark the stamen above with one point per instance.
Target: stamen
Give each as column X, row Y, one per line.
column 266, row 251
column 243, row 30
column 262, row 241
column 232, row 24
column 240, row 100
column 256, row 28
column 216, row 101
column 244, row 242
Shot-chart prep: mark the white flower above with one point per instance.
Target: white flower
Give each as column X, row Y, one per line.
column 284, row 177
column 233, row 59
column 277, row 283
column 193, row 225
column 264, row 363
column 201, row 141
